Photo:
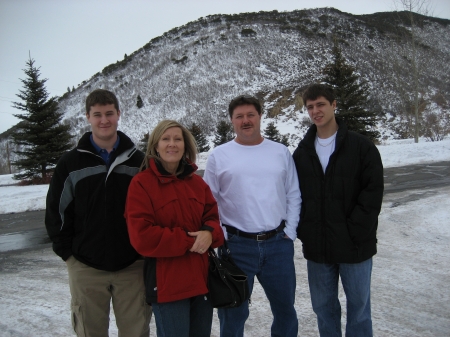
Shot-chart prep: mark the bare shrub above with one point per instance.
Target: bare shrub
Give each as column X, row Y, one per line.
column 436, row 125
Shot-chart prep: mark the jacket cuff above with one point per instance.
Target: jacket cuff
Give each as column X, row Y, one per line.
column 206, row 228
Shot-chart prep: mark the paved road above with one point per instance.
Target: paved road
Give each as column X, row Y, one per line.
column 26, row 230
column 421, row 176
column 19, row 231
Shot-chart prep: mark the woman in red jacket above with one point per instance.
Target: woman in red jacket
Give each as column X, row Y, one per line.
column 172, row 220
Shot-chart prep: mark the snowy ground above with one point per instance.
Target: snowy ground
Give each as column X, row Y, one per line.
column 411, row 273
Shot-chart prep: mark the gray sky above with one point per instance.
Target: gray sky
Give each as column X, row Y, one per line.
column 71, row 40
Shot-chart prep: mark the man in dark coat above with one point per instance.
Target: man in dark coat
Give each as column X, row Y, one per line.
column 84, row 219
column 341, row 182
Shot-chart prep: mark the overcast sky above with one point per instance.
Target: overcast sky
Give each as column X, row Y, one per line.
column 71, row 40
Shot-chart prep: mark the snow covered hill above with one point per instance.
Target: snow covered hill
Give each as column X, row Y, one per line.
column 192, row 72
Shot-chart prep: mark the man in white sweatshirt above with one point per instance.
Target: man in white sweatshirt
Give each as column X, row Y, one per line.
column 255, row 184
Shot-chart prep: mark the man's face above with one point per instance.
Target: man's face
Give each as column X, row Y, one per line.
column 104, row 120
column 247, row 125
column 321, row 111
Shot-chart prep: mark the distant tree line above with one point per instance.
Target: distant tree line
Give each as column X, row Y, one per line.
column 223, row 134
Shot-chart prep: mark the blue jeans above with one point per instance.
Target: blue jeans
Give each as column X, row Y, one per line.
column 323, row 285
column 272, row 262
column 191, row 317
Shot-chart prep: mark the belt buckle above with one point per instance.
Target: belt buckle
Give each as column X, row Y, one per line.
column 258, row 235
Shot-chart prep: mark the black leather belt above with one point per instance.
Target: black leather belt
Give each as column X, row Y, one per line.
column 261, row 236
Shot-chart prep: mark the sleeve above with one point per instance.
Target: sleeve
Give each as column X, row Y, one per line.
column 59, row 212
column 293, row 199
column 146, row 237
column 210, row 176
column 363, row 220
column 211, row 218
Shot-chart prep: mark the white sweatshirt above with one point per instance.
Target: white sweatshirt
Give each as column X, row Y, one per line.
column 256, row 187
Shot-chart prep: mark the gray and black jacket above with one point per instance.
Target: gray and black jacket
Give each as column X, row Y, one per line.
column 86, row 202
column 340, row 208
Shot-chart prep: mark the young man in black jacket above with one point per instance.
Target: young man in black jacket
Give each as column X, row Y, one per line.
column 341, row 182
column 84, row 219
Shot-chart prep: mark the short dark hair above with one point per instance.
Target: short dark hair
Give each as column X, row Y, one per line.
column 244, row 100
column 102, row 97
column 317, row 90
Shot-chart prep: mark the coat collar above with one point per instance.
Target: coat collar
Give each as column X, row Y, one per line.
column 165, row 177
column 85, row 143
column 310, row 135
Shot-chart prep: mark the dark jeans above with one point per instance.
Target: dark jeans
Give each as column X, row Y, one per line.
column 272, row 262
column 191, row 317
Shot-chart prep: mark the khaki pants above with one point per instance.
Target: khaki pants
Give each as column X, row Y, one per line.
column 92, row 291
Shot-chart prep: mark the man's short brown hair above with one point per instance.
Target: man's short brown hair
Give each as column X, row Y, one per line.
column 244, row 100
column 317, row 90
column 102, row 97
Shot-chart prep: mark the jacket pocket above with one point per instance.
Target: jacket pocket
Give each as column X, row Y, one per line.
column 307, row 231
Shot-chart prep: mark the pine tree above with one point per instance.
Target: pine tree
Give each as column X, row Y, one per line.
column 40, row 135
column 271, row 132
column 202, row 142
column 139, row 102
column 143, row 143
column 351, row 95
column 284, row 140
column 224, row 133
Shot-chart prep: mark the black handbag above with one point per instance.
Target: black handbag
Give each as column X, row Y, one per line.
column 227, row 283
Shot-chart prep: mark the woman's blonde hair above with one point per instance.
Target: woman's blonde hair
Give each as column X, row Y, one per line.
column 190, row 146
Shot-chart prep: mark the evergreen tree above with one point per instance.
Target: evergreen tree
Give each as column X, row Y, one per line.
column 224, row 133
column 271, row 132
column 351, row 95
column 139, row 102
column 41, row 136
column 143, row 143
column 202, row 142
column 284, row 140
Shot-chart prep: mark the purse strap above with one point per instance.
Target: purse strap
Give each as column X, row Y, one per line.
column 224, row 250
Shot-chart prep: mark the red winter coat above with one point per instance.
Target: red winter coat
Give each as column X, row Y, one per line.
column 160, row 210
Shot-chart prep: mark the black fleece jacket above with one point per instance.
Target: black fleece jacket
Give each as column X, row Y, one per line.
column 339, row 214
column 85, row 205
